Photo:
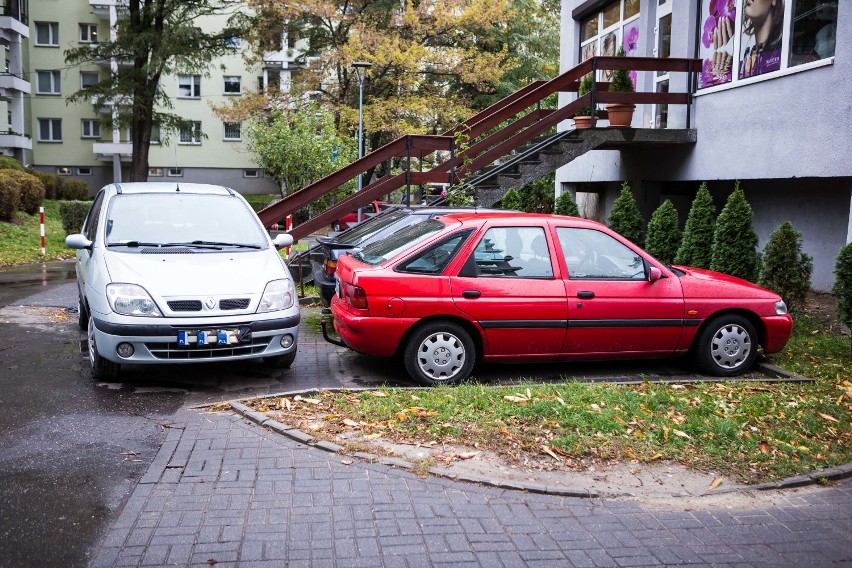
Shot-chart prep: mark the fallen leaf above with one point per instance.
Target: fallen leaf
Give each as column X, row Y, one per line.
column 467, row 455
column 515, row 398
column 401, row 416
column 550, row 452
column 347, row 462
column 716, row 483
column 763, row 446
column 378, row 394
column 829, row 417
column 371, row 436
column 656, row 457
column 350, row 423
column 681, row 433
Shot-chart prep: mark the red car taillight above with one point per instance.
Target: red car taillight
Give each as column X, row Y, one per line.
column 355, row 296
column 329, row 267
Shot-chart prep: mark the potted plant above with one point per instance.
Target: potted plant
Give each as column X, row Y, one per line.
column 620, row 115
column 583, row 117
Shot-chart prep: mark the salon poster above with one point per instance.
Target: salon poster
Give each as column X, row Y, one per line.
column 717, row 40
column 631, row 44
column 762, row 34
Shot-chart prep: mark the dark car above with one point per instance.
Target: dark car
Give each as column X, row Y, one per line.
column 351, row 219
column 393, row 219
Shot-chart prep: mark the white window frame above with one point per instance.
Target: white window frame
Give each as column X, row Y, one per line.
column 155, row 172
column 174, row 172
column 83, row 83
column 225, row 81
column 52, row 122
column 94, row 125
column 194, row 85
column 232, row 139
column 84, row 171
column 65, row 170
column 52, row 34
column 251, row 173
column 86, row 33
column 55, row 82
column 194, row 135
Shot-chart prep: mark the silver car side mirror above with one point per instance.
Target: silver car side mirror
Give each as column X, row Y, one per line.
column 77, row 242
column 283, row 240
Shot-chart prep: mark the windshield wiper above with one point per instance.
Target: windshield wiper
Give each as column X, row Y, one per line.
column 134, row 244
column 224, row 244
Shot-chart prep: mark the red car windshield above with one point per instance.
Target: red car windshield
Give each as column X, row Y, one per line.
column 380, row 251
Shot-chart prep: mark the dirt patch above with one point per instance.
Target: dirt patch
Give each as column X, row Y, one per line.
column 824, row 308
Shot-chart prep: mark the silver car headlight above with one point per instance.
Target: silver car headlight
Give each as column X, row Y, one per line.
column 780, row 307
column 278, row 295
column 131, row 300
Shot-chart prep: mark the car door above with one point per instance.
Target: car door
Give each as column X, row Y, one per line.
column 613, row 307
column 89, row 230
column 512, row 288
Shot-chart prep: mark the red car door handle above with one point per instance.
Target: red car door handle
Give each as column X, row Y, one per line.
column 471, row 294
column 585, row 295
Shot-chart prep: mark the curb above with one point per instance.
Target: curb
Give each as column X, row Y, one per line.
column 816, row 478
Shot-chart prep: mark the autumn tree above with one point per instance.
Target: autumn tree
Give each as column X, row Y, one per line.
column 156, row 38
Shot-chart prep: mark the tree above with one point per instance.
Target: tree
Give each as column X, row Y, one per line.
column 537, row 196
column 696, row 246
column 842, row 288
column 785, row 269
column 565, row 205
column 663, row 237
column 298, row 146
column 156, row 39
column 734, row 240
column 625, row 218
column 511, row 200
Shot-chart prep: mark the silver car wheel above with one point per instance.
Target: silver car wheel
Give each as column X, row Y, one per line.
column 441, row 356
column 92, row 349
column 731, row 346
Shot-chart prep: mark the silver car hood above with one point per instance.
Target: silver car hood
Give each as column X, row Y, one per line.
column 219, row 273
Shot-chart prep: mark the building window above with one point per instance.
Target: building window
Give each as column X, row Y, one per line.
column 742, row 39
column 260, row 84
column 64, row 170
column 189, row 86
column 155, row 172
column 47, row 33
column 89, row 79
column 47, row 82
column 233, row 42
column 251, row 173
column 232, row 131
column 614, row 25
column 91, row 128
column 233, row 85
column 50, row 130
column 88, row 33
column 84, row 171
column 174, row 172
column 191, row 134
column 155, row 134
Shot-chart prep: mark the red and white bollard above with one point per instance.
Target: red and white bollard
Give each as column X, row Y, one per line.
column 288, row 224
column 41, row 220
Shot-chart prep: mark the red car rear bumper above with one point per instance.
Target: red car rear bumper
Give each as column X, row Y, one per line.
column 374, row 336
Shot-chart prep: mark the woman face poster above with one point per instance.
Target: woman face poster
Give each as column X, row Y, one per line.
column 762, row 33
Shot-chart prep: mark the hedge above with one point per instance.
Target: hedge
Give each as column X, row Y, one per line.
column 73, row 214
column 75, row 190
column 30, row 189
column 9, row 163
column 10, row 197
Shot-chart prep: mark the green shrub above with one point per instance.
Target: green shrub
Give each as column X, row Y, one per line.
column 663, row 237
column 584, row 87
column 73, row 214
column 785, row 269
column 842, row 289
column 511, row 200
column 52, row 183
column 75, row 189
column 625, row 218
column 696, row 246
column 10, row 198
column 9, row 163
column 30, row 189
column 734, row 240
column 620, row 81
column 537, row 196
column 565, row 205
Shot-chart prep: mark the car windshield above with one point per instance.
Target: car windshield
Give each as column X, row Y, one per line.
column 152, row 219
column 386, row 249
column 372, row 225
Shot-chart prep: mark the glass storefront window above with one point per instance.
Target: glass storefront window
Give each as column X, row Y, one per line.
column 589, row 28
column 611, row 14
column 631, row 8
column 814, row 30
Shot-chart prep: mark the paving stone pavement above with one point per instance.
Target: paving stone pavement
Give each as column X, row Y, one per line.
column 227, row 492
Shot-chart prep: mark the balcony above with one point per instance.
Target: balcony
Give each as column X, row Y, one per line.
column 10, row 82
column 10, row 139
column 106, row 150
column 100, row 8
column 106, row 106
column 17, row 11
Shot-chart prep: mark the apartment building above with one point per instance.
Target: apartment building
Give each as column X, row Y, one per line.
column 70, row 139
column 14, row 84
column 771, row 110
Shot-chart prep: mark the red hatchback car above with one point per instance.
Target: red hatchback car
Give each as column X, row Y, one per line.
column 460, row 288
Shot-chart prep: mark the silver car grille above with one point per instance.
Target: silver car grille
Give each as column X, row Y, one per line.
column 195, row 305
column 173, row 352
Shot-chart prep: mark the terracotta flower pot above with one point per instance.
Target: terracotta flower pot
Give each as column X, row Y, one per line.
column 620, row 116
column 582, row 121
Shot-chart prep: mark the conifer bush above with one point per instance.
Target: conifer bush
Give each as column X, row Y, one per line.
column 663, row 236
column 565, row 205
column 786, row 270
column 696, row 245
column 625, row 218
column 511, row 200
column 842, row 289
column 734, row 240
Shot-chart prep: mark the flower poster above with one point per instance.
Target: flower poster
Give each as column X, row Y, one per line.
column 717, row 41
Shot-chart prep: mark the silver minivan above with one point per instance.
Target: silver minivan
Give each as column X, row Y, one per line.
column 181, row 273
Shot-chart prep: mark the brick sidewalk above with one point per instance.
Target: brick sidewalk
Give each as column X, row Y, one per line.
column 226, row 492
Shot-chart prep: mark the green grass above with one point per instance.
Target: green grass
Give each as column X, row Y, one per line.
column 20, row 240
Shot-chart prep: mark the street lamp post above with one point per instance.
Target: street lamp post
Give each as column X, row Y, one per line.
column 361, row 71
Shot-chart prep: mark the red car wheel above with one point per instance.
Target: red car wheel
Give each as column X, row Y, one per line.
column 439, row 353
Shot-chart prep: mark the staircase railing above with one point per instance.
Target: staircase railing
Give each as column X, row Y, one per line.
column 487, row 136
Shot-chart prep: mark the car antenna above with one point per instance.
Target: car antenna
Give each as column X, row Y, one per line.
column 177, row 183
